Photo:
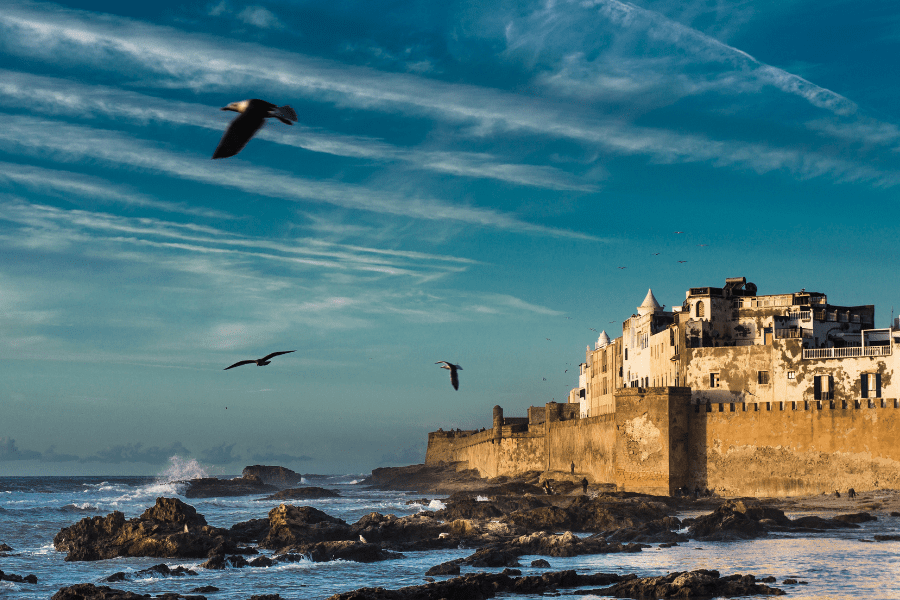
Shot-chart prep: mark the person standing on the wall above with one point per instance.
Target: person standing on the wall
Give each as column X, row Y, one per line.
column 573, row 467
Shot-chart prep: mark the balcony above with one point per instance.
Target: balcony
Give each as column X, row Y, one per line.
column 852, row 352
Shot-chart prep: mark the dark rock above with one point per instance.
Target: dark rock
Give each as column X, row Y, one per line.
column 476, row 586
column 345, row 550
column 17, row 578
column 789, row 582
column 727, row 523
column 237, row 561
column 170, row 529
column 653, row 532
column 893, row 514
column 206, row 589
column 262, row 561
column 769, row 579
column 447, row 568
column 688, row 584
column 290, row 525
column 511, row 572
column 420, row 531
column 303, row 494
column 565, row 544
column 119, row 576
column 216, row 563
column 5, row 548
column 493, row 557
column 887, row 538
column 422, row 501
column 277, row 476
column 266, row 597
column 212, row 487
column 855, row 518
column 424, row 479
column 89, row 591
column 812, row 523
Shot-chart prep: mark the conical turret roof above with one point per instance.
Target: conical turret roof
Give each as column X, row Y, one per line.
column 650, row 305
column 603, row 339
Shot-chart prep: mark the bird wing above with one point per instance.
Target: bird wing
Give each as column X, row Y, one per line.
column 237, row 364
column 239, row 133
column 454, row 379
column 443, row 362
column 268, row 356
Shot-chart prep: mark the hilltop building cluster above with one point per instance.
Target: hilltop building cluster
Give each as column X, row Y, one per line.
column 742, row 393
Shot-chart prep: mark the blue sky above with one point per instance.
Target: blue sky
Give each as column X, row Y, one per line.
column 463, row 184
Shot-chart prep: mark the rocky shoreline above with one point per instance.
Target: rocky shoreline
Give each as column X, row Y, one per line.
column 500, row 519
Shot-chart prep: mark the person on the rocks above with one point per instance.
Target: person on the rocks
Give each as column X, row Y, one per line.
column 573, row 467
column 851, row 493
column 584, row 484
column 837, row 494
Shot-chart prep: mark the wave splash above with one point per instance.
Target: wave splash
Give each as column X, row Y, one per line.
column 182, row 470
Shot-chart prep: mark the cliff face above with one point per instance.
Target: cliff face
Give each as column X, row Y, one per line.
column 278, row 476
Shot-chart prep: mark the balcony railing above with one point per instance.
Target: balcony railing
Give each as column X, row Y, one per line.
column 851, row 352
column 793, row 333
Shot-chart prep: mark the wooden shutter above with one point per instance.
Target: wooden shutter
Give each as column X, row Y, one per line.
column 865, row 385
column 817, row 387
column 878, row 385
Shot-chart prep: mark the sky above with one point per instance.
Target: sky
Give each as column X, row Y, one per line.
column 489, row 183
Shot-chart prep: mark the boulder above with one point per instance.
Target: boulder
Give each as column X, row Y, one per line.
column 277, row 476
column 212, row 487
column 290, row 525
column 161, row 570
column 17, row 578
column 345, row 550
column 727, row 523
column 89, row 591
column 170, row 529
column 447, row 568
column 540, row 563
column 855, row 518
column 689, row 584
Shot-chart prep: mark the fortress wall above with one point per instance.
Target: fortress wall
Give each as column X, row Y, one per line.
column 589, row 443
column 652, row 434
column 510, row 456
column 440, row 447
column 790, row 452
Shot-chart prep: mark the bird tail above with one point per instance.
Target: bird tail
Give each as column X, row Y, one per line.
column 285, row 114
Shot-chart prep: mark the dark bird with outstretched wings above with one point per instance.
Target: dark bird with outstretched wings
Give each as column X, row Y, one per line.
column 253, row 115
column 260, row 362
column 454, row 378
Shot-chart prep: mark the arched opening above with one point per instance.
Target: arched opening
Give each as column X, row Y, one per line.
column 700, row 312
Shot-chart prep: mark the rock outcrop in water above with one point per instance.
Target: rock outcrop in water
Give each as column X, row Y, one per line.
column 17, row 578
column 170, row 529
column 89, row 591
column 689, row 584
column 212, row 487
column 278, row 476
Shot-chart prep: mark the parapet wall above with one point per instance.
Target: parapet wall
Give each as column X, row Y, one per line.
column 657, row 441
column 787, row 448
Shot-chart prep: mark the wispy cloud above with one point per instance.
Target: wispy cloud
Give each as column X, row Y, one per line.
column 137, row 453
column 220, row 455
column 60, row 97
column 10, row 451
column 71, row 142
column 190, row 60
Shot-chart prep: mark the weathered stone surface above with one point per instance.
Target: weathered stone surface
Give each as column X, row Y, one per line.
column 162, row 570
column 540, row 563
column 5, row 548
column 887, row 538
column 418, row 531
column 89, row 591
column 345, row 550
column 170, row 529
column 17, row 578
column 447, row 568
column 477, row 586
column 855, row 518
column 278, row 476
column 690, row 584
column 304, row 493
column 290, row 526
column 426, row 479
column 212, row 487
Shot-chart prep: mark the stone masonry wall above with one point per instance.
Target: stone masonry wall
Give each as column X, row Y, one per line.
column 589, row 443
column 781, row 451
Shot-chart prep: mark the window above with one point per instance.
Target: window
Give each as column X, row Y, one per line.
column 792, row 375
column 713, row 380
column 823, row 387
column 762, row 377
column 700, row 311
column 871, row 385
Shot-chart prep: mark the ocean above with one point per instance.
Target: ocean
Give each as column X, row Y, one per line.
column 837, row 564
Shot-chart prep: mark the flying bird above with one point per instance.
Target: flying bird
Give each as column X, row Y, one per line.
column 260, row 362
column 679, row 232
column 253, row 115
column 682, row 261
column 702, row 244
column 623, row 267
column 454, row 378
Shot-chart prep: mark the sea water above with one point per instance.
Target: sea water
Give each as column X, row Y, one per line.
column 836, row 564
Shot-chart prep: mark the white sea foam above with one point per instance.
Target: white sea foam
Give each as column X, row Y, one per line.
column 182, row 470
column 482, row 498
column 436, row 505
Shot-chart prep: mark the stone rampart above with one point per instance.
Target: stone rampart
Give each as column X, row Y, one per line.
column 782, row 449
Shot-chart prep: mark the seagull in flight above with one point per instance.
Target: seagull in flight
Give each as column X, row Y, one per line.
column 260, row 362
column 679, row 232
column 454, row 378
column 252, row 116
column 682, row 261
column 702, row 244
column 623, row 267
